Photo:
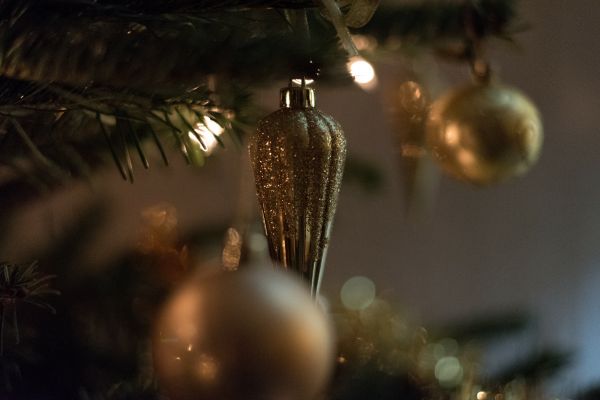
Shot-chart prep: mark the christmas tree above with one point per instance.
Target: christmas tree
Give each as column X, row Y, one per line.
column 132, row 85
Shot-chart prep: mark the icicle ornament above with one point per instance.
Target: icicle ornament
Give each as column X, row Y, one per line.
column 298, row 155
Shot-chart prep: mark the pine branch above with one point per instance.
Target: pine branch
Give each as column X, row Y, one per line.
column 536, row 367
column 487, row 328
column 77, row 126
column 589, row 393
column 91, row 78
column 21, row 283
column 157, row 7
column 179, row 44
column 167, row 52
column 428, row 21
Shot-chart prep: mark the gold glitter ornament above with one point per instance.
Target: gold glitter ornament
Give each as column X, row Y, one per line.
column 484, row 133
column 298, row 155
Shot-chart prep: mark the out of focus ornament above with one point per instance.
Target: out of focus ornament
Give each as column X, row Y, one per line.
column 158, row 244
column 409, row 105
column 252, row 334
column 484, row 133
column 298, row 155
column 158, row 229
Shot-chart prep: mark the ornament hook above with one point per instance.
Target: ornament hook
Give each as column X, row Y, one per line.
column 297, row 97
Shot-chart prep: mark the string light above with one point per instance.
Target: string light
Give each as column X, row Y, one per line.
column 363, row 72
column 208, row 130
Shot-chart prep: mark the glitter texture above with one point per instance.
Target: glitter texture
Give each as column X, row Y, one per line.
column 298, row 159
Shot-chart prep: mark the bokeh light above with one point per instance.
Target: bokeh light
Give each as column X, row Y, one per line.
column 411, row 97
column 363, row 72
column 364, row 42
column 358, row 293
column 448, row 371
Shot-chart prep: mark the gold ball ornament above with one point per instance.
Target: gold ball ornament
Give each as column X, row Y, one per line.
column 251, row 334
column 297, row 156
column 484, row 133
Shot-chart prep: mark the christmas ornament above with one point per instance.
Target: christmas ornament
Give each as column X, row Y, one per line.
column 298, row 156
column 409, row 106
column 164, row 259
column 250, row 334
column 484, row 133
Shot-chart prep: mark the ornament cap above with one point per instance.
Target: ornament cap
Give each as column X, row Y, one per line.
column 297, row 97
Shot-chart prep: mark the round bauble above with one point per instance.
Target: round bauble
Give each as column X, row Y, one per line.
column 484, row 133
column 250, row 334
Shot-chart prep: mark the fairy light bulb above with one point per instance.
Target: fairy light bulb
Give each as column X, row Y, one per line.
column 363, row 72
column 208, row 129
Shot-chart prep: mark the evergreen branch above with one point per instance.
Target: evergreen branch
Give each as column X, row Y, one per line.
column 113, row 152
column 166, row 122
column 125, row 147
column 42, row 305
column 428, row 21
column 173, row 7
column 487, row 328
column 536, row 367
column 448, row 27
column 136, row 141
column 158, row 145
column 589, row 393
column 185, row 48
column 21, row 283
column 176, row 133
column 52, row 168
column 189, row 126
column 201, row 115
column 76, row 160
column 71, row 110
column 24, row 180
column 80, row 50
column 72, row 61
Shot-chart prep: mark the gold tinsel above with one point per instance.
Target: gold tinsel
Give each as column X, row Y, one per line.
column 298, row 156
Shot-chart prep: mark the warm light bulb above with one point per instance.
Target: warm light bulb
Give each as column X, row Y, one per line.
column 363, row 72
column 207, row 130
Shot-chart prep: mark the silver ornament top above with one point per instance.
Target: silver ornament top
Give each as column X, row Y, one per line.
column 297, row 97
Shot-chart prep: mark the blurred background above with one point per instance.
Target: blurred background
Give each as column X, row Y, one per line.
column 528, row 245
